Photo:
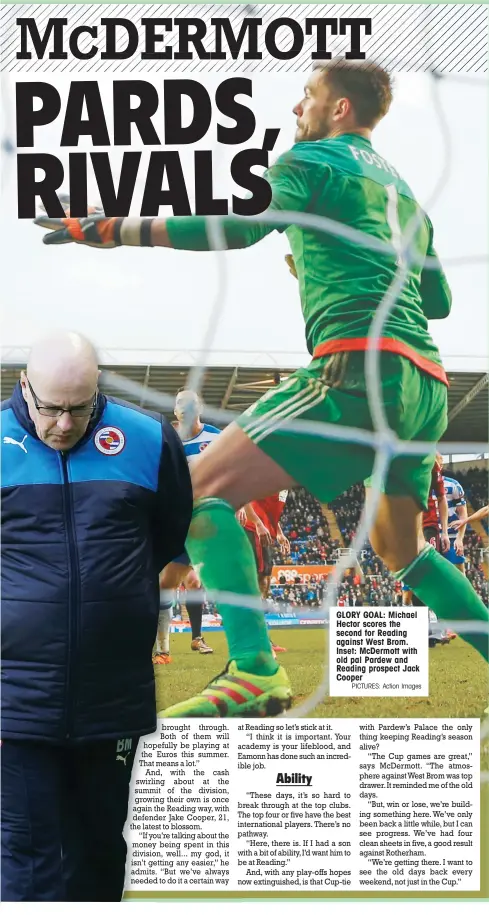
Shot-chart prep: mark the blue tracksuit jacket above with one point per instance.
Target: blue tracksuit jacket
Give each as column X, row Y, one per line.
column 84, row 536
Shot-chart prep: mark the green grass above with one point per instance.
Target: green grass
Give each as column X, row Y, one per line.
column 458, row 678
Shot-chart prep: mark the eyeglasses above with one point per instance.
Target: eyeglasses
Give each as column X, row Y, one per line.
column 83, row 409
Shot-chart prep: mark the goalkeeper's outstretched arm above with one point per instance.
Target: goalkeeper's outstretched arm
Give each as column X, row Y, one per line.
column 291, row 185
column 188, row 233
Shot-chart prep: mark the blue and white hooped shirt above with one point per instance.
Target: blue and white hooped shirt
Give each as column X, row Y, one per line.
column 196, row 445
column 455, row 496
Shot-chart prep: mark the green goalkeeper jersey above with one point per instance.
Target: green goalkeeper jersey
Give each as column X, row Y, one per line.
column 342, row 281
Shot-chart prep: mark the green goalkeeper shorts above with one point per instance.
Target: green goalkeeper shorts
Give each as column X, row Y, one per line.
column 333, row 390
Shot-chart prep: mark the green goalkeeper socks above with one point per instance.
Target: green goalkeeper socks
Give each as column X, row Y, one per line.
column 446, row 591
column 219, row 549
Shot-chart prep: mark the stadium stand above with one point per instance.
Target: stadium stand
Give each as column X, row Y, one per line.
column 475, row 484
column 311, row 543
column 236, row 387
column 303, row 522
column 311, row 538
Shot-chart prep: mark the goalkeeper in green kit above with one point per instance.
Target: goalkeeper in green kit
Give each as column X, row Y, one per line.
column 333, row 171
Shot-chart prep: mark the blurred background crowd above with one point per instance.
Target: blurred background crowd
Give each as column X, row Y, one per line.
column 312, row 542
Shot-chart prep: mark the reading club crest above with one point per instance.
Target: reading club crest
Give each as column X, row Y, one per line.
column 109, row 440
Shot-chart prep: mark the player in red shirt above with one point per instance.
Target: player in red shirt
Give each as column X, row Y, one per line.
column 261, row 521
column 436, row 515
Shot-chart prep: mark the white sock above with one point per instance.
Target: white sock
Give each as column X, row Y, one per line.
column 163, row 635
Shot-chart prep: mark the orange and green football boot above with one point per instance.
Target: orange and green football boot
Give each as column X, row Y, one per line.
column 234, row 693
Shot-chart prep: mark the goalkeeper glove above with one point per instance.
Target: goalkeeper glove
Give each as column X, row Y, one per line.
column 97, row 230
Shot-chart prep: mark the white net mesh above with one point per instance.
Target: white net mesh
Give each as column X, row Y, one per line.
column 383, row 439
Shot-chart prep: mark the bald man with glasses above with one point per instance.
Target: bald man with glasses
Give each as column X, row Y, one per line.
column 96, row 500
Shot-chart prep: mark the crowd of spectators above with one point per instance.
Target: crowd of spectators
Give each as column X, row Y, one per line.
column 304, row 525
column 474, row 558
column 298, row 593
column 474, row 482
column 347, row 508
column 352, row 592
column 312, row 544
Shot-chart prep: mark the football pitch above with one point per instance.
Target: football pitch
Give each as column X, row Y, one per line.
column 458, row 678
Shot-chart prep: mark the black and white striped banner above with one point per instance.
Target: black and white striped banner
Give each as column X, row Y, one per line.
column 447, row 38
